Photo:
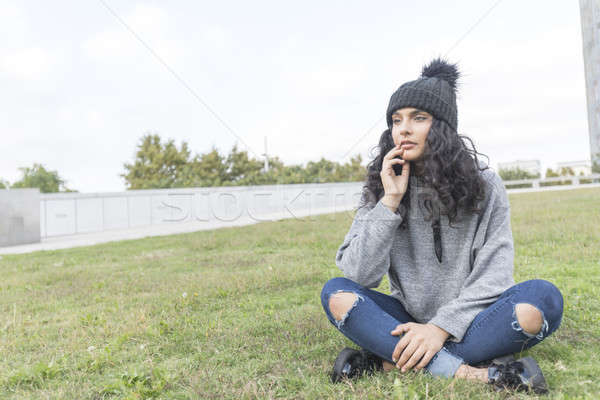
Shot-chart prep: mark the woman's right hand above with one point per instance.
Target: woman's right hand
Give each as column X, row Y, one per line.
column 394, row 185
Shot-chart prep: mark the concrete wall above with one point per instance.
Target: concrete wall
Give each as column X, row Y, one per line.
column 58, row 214
column 19, row 216
column 73, row 213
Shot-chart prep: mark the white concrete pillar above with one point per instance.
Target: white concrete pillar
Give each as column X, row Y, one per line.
column 590, row 32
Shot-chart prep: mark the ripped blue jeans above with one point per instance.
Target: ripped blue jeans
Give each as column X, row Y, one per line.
column 494, row 332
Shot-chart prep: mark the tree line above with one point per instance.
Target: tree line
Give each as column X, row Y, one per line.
column 514, row 174
column 37, row 176
column 162, row 164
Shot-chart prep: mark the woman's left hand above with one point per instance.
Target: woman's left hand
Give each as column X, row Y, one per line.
column 419, row 343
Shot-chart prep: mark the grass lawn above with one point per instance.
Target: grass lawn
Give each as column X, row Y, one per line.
column 236, row 312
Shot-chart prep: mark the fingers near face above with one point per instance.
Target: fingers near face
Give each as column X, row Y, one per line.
column 393, row 153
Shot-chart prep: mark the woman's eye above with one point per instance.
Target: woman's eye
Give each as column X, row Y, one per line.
column 418, row 118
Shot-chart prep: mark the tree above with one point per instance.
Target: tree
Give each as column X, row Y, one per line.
column 242, row 170
column 596, row 164
column 550, row 173
column 321, row 171
column 156, row 165
column 292, row 174
column 276, row 173
column 564, row 171
column 515, row 174
column 209, row 169
column 353, row 171
column 4, row 184
column 38, row 177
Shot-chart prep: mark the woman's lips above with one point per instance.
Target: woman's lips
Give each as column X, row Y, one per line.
column 408, row 146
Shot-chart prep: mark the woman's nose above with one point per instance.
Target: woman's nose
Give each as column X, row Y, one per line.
column 404, row 128
column 404, row 135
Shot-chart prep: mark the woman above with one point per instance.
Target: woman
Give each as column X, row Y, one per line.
column 440, row 229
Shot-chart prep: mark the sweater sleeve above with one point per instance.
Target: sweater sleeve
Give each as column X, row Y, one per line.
column 491, row 269
column 364, row 256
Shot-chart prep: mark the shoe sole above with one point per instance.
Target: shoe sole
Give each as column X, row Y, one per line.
column 538, row 382
column 345, row 355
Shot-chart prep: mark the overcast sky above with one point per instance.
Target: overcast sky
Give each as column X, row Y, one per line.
column 79, row 88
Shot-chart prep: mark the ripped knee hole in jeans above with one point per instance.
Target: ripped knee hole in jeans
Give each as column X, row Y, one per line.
column 345, row 316
column 517, row 326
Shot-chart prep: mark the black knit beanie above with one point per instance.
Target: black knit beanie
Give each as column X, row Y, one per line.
column 434, row 92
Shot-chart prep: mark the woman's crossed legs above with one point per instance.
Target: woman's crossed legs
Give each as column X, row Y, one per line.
column 496, row 331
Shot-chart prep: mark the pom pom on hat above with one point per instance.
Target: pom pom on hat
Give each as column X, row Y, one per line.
column 442, row 69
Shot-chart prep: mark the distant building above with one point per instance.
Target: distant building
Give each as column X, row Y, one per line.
column 532, row 166
column 584, row 166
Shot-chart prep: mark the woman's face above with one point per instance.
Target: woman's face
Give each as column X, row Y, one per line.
column 411, row 124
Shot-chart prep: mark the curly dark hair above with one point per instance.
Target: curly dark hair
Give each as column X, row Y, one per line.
column 447, row 165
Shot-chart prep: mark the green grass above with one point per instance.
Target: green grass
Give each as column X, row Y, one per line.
column 236, row 312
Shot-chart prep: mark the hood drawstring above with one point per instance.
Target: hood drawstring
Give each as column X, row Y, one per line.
column 437, row 233
column 437, row 238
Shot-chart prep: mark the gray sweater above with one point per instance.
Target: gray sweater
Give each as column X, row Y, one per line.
column 476, row 266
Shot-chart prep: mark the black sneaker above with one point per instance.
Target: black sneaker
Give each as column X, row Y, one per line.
column 352, row 363
column 523, row 374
